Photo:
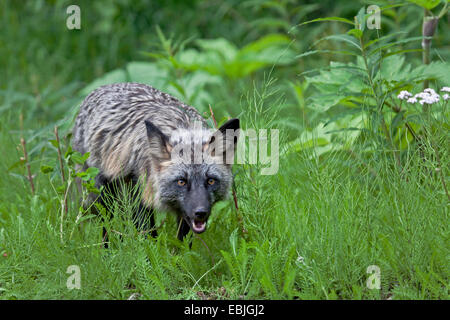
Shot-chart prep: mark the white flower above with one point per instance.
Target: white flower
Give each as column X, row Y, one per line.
column 428, row 96
column 412, row 100
column 421, row 95
column 430, row 91
column 445, row 97
column 446, row 89
column 404, row 95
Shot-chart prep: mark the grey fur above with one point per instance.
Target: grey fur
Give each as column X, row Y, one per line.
column 130, row 130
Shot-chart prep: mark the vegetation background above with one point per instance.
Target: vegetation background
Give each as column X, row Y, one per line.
column 362, row 178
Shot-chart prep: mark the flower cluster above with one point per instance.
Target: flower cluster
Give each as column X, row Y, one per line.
column 428, row 96
column 404, row 95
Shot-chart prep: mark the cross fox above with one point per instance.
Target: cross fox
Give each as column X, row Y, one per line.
column 138, row 134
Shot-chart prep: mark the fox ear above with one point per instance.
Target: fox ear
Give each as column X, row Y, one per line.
column 224, row 140
column 232, row 124
column 230, row 133
column 159, row 143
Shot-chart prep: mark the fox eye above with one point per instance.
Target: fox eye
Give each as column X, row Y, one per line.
column 181, row 182
column 211, row 181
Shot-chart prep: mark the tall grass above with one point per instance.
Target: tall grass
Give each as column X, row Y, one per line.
column 311, row 232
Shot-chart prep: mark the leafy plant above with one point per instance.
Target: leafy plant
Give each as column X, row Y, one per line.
column 362, row 95
column 71, row 161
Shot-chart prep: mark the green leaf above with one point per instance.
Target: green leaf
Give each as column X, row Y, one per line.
column 147, row 73
column 427, row 4
column 393, row 68
column 357, row 33
column 115, row 76
column 92, row 172
column 308, row 53
column 265, row 42
column 166, row 43
column 16, row 164
column 343, row 130
column 389, row 45
column 400, row 52
column 340, row 37
column 61, row 189
column 436, row 70
column 386, row 37
column 397, row 121
column 318, row 142
column 89, row 174
column 332, row 19
column 91, row 188
column 361, row 18
column 46, row 169
column 68, row 152
column 89, row 216
column 78, row 158
column 223, row 47
column 54, row 143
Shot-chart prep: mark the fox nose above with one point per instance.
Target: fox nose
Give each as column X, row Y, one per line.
column 201, row 214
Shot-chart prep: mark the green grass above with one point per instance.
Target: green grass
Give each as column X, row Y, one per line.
column 308, row 232
column 311, row 232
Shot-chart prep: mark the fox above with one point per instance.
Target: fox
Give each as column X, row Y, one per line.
column 140, row 135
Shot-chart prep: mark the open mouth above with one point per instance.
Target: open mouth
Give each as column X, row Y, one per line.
column 198, row 226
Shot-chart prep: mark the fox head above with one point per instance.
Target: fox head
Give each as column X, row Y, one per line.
column 191, row 169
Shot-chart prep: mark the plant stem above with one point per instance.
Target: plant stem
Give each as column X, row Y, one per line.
column 60, row 156
column 407, row 125
column 388, row 135
column 25, row 155
column 27, row 163
column 379, row 104
column 63, row 178
column 428, row 29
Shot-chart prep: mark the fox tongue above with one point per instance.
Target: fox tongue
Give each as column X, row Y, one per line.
column 198, row 226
